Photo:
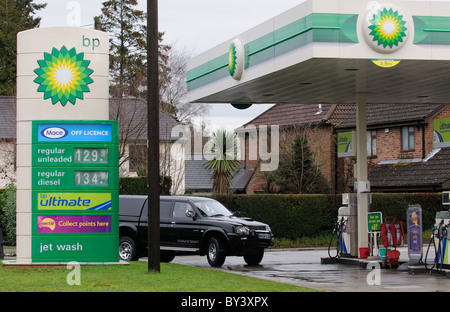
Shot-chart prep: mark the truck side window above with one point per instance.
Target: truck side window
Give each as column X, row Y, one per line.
column 164, row 208
column 179, row 210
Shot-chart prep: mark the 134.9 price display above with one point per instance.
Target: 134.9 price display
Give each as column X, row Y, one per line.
column 91, row 178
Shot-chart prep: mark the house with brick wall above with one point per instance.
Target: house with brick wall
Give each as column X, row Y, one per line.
column 401, row 154
column 292, row 120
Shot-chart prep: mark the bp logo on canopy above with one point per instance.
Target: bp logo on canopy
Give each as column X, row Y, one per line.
column 386, row 28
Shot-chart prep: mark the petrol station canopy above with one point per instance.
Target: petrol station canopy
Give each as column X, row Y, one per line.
column 327, row 51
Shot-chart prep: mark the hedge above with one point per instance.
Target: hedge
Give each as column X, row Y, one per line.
column 138, row 185
column 8, row 215
column 294, row 216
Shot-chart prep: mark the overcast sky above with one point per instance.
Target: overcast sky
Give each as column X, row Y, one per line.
column 193, row 25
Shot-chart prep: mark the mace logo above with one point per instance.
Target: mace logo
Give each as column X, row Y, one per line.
column 54, row 133
column 63, row 76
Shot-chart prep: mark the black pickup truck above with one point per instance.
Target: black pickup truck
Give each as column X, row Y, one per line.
column 191, row 224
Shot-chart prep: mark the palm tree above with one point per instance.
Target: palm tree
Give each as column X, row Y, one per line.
column 224, row 165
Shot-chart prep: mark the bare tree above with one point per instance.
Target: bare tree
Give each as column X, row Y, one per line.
column 131, row 115
column 174, row 92
column 8, row 155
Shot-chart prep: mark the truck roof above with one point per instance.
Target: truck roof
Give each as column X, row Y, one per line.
column 164, row 197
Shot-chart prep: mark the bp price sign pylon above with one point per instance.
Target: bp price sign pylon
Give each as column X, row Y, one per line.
column 67, row 148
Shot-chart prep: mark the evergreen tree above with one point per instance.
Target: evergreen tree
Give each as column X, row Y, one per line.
column 297, row 172
column 15, row 16
column 128, row 47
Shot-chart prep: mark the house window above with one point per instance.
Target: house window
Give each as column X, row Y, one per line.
column 372, row 143
column 407, row 138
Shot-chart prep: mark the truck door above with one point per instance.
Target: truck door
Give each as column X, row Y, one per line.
column 185, row 232
column 164, row 213
column 164, row 230
column 143, row 224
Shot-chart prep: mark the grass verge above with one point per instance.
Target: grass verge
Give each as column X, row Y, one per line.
column 135, row 278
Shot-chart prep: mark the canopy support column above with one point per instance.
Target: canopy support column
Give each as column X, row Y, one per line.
column 361, row 169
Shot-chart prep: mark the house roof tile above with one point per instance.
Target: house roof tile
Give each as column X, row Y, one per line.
column 343, row 115
column 198, row 178
column 383, row 114
column 432, row 172
column 134, row 114
column 7, row 117
column 293, row 114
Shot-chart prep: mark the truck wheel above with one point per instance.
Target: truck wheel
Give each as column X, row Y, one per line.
column 215, row 254
column 254, row 258
column 127, row 249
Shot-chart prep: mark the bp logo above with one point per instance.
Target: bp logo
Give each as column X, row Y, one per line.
column 385, row 28
column 236, row 59
column 63, row 76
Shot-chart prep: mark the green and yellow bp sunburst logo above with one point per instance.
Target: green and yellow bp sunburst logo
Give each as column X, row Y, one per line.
column 236, row 59
column 232, row 59
column 388, row 28
column 385, row 28
column 63, row 76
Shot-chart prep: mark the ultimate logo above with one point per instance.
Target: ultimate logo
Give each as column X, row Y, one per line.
column 63, row 76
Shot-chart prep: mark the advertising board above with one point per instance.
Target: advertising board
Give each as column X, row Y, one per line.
column 74, row 182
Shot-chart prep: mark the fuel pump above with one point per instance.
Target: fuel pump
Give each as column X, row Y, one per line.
column 337, row 236
column 345, row 229
column 440, row 237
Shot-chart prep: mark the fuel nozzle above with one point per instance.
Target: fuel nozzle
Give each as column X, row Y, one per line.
column 441, row 224
column 442, row 229
column 336, row 227
column 445, row 229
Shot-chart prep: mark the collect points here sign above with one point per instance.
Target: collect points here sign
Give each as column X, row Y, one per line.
column 75, row 183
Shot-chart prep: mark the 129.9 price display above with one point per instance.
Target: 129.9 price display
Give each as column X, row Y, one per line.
column 91, row 155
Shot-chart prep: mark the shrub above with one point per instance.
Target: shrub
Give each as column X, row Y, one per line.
column 294, row 216
column 8, row 215
column 289, row 216
column 395, row 205
column 138, row 186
